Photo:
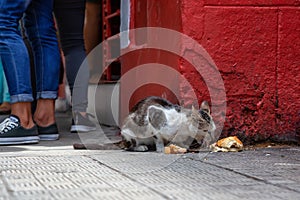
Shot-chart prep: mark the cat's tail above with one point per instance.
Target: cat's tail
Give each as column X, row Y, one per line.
column 93, row 146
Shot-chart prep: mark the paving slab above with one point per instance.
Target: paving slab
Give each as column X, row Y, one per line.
column 54, row 170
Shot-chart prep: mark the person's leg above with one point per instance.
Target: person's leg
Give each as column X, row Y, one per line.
column 15, row 60
column 2, row 75
column 92, row 28
column 93, row 35
column 4, row 94
column 71, row 37
column 32, row 66
column 61, row 103
column 39, row 24
column 72, row 43
column 18, row 128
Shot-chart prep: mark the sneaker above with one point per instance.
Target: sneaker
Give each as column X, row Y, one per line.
column 49, row 132
column 82, row 124
column 11, row 132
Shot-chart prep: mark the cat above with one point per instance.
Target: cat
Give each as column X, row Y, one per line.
column 154, row 122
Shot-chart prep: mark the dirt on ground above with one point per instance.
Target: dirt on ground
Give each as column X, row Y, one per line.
column 269, row 144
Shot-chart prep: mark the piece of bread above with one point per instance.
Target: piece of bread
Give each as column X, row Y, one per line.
column 173, row 149
column 229, row 144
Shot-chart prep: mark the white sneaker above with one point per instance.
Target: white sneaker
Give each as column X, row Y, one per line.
column 81, row 123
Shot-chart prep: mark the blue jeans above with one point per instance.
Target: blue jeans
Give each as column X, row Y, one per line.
column 39, row 24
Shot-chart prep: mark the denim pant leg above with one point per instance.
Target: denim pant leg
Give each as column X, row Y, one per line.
column 39, row 25
column 70, row 20
column 13, row 52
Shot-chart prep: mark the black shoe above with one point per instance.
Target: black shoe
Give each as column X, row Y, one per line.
column 11, row 132
column 81, row 123
column 49, row 132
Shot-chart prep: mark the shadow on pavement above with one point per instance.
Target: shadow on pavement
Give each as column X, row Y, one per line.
column 67, row 139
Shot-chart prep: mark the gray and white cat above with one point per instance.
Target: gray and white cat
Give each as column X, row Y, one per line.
column 155, row 122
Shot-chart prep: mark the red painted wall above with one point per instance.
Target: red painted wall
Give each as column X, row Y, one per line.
column 256, row 46
column 148, row 14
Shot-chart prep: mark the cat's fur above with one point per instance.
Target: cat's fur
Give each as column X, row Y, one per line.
column 155, row 122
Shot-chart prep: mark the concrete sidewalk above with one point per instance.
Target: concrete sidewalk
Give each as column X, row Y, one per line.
column 53, row 170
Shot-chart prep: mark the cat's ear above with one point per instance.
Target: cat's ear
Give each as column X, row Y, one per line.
column 194, row 110
column 205, row 107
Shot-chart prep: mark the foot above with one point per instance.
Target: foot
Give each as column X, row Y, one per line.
column 48, row 133
column 23, row 111
column 81, row 123
column 45, row 112
column 11, row 132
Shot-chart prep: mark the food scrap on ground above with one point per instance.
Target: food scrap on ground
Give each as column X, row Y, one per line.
column 229, row 144
column 173, row 149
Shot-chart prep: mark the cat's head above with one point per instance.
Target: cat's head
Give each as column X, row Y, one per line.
column 202, row 122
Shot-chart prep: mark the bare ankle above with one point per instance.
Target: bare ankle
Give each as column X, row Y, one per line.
column 23, row 111
column 45, row 112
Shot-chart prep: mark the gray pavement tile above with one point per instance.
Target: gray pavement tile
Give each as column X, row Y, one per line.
column 181, row 193
column 53, row 170
column 75, row 193
column 30, row 194
column 106, row 193
column 144, row 192
column 90, row 183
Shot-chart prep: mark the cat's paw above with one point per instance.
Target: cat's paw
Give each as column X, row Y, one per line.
column 159, row 144
column 141, row 148
column 160, row 148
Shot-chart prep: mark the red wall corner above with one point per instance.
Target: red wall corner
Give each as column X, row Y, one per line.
column 255, row 45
